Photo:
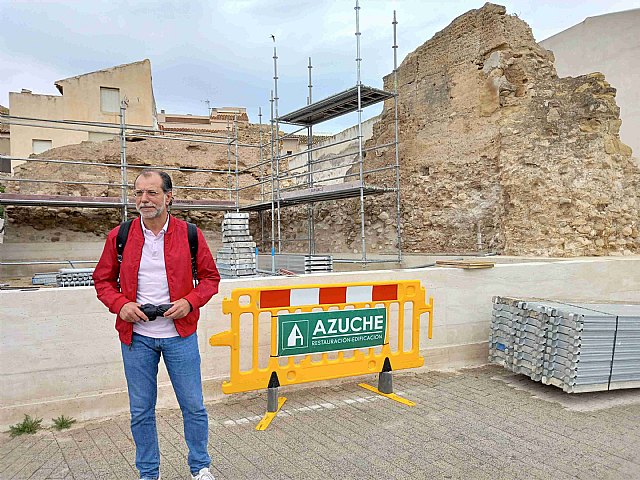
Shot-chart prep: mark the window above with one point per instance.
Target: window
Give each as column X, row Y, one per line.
column 39, row 146
column 100, row 137
column 109, row 100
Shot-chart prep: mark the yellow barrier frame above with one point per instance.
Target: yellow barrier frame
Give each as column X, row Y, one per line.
column 306, row 369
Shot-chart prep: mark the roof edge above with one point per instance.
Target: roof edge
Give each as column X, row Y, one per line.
column 146, row 60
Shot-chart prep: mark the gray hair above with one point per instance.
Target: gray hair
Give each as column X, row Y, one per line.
column 167, row 184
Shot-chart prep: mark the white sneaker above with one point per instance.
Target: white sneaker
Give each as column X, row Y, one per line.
column 203, row 474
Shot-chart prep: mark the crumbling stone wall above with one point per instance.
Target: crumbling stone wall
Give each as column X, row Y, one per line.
column 569, row 185
column 493, row 142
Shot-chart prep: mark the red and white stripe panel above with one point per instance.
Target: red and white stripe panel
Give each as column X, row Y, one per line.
column 294, row 297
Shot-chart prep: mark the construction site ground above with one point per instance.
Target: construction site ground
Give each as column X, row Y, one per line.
column 483, row 423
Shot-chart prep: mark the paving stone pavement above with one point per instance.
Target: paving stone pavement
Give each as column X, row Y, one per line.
column 473, row 424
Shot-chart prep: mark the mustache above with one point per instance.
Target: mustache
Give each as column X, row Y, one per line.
column 155, row 207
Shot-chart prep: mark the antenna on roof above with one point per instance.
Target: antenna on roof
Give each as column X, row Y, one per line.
column 208, row 103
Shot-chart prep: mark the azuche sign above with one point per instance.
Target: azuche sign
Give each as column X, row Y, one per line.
column 314, row 332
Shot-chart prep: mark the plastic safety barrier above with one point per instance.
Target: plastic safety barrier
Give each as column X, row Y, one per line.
column 337, row 317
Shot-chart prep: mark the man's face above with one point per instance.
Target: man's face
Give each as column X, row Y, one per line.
column 151, row 201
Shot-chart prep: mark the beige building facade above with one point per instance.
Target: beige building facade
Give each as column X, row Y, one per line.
column 609, row 44
column 91, row 97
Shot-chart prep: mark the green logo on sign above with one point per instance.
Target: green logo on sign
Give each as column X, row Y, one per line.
column 313, row 332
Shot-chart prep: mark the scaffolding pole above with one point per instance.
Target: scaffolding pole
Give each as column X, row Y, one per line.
column 311, row 226
column 277, row 140
column 111, row 165
column 395, row 121
column 103, row 125
column 229, row 161
column 261, row 213
column 273, row 247
column 235, row 126
column 360, row 156
column 123, row 159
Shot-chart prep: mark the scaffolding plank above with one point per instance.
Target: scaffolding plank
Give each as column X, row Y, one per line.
column 319, row 194
column 105, row 202
column 335, row 106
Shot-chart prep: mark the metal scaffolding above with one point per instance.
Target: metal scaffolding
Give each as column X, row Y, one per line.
column 315, row 180
column 302, row 184
column 126, row 132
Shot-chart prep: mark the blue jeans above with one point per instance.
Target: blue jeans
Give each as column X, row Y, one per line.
column 182, row 359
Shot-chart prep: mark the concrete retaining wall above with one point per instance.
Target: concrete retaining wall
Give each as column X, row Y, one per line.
column 59, row 353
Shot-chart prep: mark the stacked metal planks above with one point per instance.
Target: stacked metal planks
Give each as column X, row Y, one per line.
column 74, row 277
column 237, row 257
column 576, row 346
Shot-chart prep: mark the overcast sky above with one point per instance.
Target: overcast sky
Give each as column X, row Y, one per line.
column 221, row 51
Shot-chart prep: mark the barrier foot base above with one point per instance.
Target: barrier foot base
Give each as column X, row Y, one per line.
column 385, row 381
column 269, row 416
column 391, row 396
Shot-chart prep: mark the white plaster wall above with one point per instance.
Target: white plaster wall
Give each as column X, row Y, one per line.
column 326, row 156
column 52, row 251
column 59, row 352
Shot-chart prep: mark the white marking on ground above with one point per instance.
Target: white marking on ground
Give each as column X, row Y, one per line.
column 310, row 408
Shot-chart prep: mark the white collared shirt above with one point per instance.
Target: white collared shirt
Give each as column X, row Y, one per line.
column 152, row 284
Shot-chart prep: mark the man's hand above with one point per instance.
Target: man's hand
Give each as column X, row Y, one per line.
column 180, row 309
column 130, row 312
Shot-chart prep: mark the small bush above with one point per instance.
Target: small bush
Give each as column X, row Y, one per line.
column 28, row 425
column 63, row 422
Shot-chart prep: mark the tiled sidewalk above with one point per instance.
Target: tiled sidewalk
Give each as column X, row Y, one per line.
column 483, row 423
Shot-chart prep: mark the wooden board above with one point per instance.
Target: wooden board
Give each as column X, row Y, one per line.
column 466, row 264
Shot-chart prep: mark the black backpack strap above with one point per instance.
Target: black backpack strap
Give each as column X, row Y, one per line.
column 192, row 232
column 121, row 239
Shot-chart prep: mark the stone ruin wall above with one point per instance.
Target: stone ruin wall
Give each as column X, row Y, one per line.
column 505, row 147
column 493, row 145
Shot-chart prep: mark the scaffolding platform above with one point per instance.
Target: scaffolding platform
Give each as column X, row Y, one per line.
column 106, row 202
column 319, row 193
column 335, row 106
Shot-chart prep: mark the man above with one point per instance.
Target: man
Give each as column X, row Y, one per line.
column 156, row 268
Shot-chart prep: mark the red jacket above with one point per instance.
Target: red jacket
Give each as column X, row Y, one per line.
column 177, row 259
